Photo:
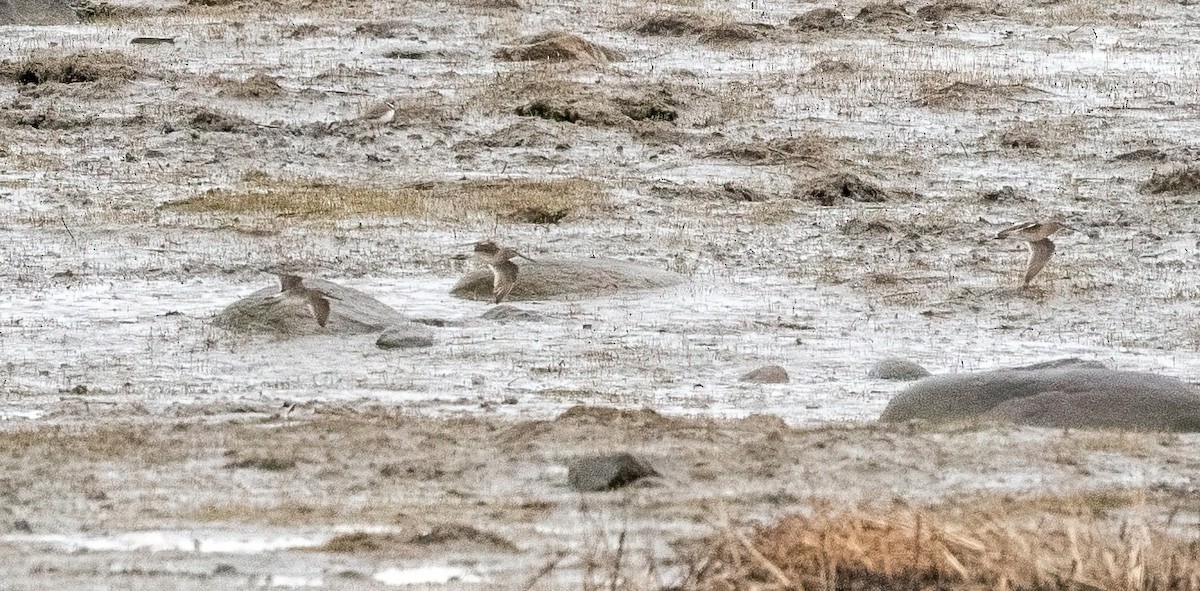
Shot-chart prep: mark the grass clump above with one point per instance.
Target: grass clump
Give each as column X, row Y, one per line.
column 85, row 66
column 316, row 198
column 267, row 463
column 916, row 550
column 1180, row 180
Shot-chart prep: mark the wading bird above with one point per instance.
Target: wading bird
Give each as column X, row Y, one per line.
column 499, row 260
column 1037, row 234
column 292, row 287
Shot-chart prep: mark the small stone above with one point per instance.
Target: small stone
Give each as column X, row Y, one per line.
column 403, row 337
column 22, row 526
column 897, row 369
column 767, row 374
column 607, row 472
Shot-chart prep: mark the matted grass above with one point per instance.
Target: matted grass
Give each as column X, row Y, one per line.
column 448, row 200
column 917, row 550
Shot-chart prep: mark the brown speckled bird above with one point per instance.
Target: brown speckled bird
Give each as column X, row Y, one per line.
column 292, row 287
column 499, row 260
column 1037, row 234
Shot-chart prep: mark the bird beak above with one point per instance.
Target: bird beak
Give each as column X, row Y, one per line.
column 459, row 257
column 526, row 258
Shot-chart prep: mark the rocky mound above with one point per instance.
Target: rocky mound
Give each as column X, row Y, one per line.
column 568, row 277
column 1067, row 397
column 36, row 12
column 353, row 312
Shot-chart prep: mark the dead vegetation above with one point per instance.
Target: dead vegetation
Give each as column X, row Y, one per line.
column 557, row 46
column 86, row 66
column 944, row 11
column 318, row 198
column 884, row 15
column 708, row 29
column 962, row 95
column 917, row 550
column 810, row 148
column 439, row 536
column 1181, row 180
column 837, row 188
column 258, row 86
column 386, row 29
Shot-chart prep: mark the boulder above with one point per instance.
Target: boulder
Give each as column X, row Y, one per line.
column 1066, row 397
column 607, row 472
column 1074, row 362
column 550, row 278
column 897, row 369
column 767, row 374
column 36, row 12
column 405, row 336
column 353, row 312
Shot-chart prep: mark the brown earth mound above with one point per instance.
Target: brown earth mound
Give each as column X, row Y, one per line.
column 808, row 148
column 820, row 19
column 709, row 29
column 255, row 87
column 557, row 46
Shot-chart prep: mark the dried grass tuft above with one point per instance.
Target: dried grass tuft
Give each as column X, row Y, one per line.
column 557, row 46
column 1180, row 180
column 317, row 198
column 915, row 550
column 86, row 66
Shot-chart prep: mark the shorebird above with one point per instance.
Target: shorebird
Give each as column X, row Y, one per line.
column 380, row 114
column 499, row 260
column 1037, row 234
column 292, row 287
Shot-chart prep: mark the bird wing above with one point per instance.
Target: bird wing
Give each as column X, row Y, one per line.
column 1040, row 252
column 320, row 308
column 1025, row 225
column 287, row 282
column 504, row 278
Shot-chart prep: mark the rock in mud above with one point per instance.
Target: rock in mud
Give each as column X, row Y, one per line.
column 835, row 188
column 607, row 472
column 505, row 312
column 767, row 374
column 36, row 12
column 551, row 278
column 406, row 336
column 1068, row 397
column 897, row 369
column 353, row 312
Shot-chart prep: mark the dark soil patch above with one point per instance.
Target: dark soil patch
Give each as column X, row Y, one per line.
column 967, row 94
column 885, row 15
column 839, row 187
column 1021, row 139
column 303, row 31
column 557, row 46
column 1179, row 180
column 833, row 67
column 85, row 66
column 728, row 191
column 949, row 10
column 573, row 105
column 1002, row 195
column 269, row 464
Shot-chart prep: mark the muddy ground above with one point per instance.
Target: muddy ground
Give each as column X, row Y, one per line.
column 831, row 195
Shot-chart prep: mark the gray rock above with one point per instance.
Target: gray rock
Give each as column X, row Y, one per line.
column 354, row 312
column 405, row 336
column 607, row 472
column 767, row 374
column 36, row 12
column 505, row 312
column 1067, row 397
column 898, row 369
column 1074, row 362
column 550, row 278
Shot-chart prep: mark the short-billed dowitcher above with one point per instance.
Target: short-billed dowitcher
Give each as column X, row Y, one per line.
column 499, row 260
column 292, row 287
column 1037, row 234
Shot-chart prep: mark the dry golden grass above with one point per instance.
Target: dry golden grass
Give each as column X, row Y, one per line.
column 918, row 550
column 317, row 198
column 85, row 66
